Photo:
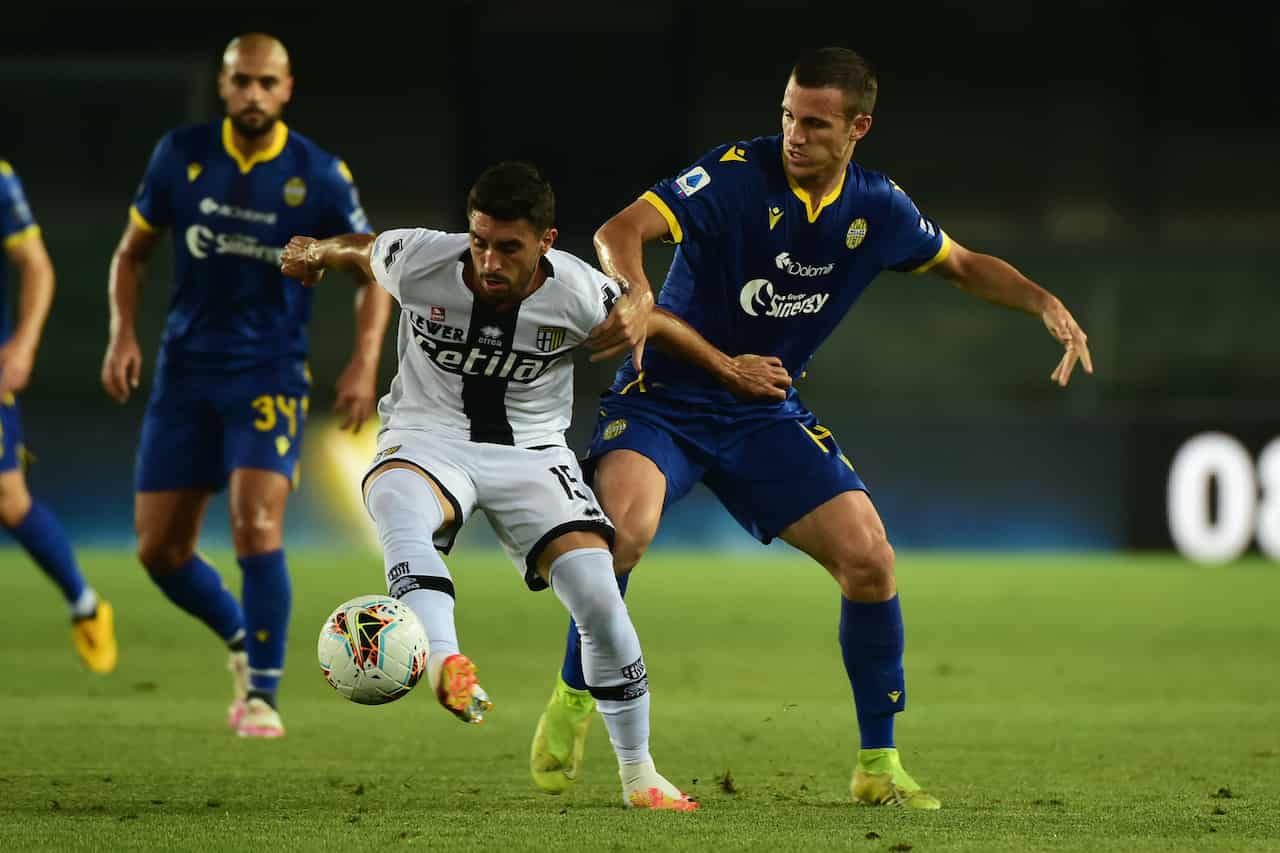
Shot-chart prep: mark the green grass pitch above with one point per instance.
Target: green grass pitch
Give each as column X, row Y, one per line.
column 1055, row 703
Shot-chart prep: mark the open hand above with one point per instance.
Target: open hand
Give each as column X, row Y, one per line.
column 758, row 377
column 121, row 367
column 356, row 394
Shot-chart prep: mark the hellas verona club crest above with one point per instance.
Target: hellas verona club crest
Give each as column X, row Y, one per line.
column 856, row 234
column 295, row 191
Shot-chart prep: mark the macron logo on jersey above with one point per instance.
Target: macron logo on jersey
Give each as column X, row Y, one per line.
column 691, row 182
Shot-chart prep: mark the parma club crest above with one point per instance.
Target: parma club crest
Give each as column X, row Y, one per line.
column 549, row 338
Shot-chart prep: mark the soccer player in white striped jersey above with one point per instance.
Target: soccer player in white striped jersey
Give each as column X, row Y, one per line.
column 475, row 419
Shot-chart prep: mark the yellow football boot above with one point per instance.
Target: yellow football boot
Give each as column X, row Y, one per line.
column 95, row 638
column 555, row 760
column 879, row 780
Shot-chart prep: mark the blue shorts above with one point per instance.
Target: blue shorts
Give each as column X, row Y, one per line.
column 11, row 449
column 769, row 465
column 199, row 426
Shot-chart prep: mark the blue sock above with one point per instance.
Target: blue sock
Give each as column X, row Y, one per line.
column 871, row 641
column 197, row 588
column 267, row 598
column 571, row 670
column 43, row 538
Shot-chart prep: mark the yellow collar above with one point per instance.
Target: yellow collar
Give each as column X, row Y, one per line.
column 802, row 194
column 269, row 153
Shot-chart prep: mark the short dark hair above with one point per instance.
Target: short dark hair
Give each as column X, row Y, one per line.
column 839, row 68
column 514, row 190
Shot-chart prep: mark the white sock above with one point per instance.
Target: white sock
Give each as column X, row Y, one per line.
column 83, row 607
column 611, row 659
column 408, row 514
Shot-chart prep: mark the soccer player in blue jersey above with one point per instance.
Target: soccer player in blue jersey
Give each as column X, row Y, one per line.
column 31, row 522
column 230, row 395
column 777, row 237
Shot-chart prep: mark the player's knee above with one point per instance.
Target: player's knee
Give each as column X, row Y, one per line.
column 162, row 558
column 865, row 570
column 583, row 581
column 628, row 547
column 255, row 531
column 13, row 509
column 404, row 508
column 15, row 502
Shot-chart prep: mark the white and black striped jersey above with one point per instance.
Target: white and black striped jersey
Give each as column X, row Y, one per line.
column 469, row 371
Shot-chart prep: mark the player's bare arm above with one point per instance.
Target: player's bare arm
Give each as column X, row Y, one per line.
column 748, row 377
column 620, row 248
column 996, row 280
column 357, row 384
column 306, row 258
column 35, row 272
column 122, row 363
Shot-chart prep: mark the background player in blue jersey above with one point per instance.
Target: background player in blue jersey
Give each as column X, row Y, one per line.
column 777, row 237
column 31, row 523
column 231, row 383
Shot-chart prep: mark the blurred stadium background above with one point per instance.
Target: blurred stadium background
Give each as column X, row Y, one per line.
column 1126, row 161
column 1124, row 158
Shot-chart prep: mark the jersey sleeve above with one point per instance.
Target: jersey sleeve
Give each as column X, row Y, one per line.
column 153, row 204
column 342, row 212
column 605, row 293
column 706, row 198
column 16, row 222
column 914, row 242
column 402, row 254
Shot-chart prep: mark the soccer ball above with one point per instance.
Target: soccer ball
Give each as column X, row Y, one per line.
column 372, row 649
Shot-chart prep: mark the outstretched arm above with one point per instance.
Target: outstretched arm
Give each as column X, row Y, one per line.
column 620, row 247
column 748, row 377
column 306, row 258
column 996, row 280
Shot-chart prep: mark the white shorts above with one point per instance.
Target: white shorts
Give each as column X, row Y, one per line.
column 531, row 496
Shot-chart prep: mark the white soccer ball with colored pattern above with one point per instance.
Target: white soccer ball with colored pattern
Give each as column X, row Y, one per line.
column 372, row 649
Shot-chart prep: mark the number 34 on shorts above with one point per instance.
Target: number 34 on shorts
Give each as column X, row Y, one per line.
column 282, row 413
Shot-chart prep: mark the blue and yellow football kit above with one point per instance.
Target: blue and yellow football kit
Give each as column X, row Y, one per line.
column 16, row 226
column 761, row 268
column 231, row 382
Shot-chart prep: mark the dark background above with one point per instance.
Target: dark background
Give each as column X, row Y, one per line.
column 1123, row 155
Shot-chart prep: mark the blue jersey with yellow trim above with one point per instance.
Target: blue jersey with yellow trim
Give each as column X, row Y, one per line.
column 16, row 224
column 231, row 217
column 760, row 269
